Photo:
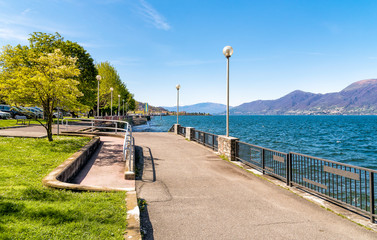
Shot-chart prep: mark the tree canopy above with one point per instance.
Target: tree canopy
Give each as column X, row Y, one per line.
column 31, row 78
column 111, row 79
column 47, row 43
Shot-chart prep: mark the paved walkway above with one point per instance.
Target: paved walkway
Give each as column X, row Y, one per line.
column 106, row 167
column 193, row 194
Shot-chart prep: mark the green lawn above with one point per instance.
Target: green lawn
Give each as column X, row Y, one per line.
column 12, row 122
column 30, row 211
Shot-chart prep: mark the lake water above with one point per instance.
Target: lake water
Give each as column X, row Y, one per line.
column 346, row 139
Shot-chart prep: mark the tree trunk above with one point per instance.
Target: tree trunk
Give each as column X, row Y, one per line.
column 49, row 127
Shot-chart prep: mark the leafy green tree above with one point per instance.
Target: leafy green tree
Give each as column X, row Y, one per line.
column 47, row 43
column 111, row 79
column 29, row 77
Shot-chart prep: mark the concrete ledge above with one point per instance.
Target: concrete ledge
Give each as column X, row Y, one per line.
column 133, row 217
column 128, row 173
column 60, row 176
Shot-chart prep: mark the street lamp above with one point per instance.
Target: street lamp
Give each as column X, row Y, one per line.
column 228, row 51
column 111, row 109
column 177, row 87
column 123, row 107
column 98, row 79
column 118, row 105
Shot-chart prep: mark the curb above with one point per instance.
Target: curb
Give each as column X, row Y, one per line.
column 133, row 217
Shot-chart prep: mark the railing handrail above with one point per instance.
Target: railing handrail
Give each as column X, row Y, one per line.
column 256, row 146
column 335, row 162
column 128, row 140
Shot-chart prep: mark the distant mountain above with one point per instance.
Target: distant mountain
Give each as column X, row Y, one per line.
column 358, row 98
column 211, row 108
column 140, row 106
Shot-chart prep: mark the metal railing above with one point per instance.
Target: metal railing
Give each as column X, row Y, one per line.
column 263, row 159
column 108, row 124
column 348, row 185
column 95, row 124
column 181, row 130
column 207, row 139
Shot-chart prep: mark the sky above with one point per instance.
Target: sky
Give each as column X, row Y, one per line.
column 279, row 46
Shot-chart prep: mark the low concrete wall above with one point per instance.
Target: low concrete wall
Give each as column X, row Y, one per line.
column 78, row 160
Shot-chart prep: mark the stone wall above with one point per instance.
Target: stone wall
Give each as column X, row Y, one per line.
column 227, row 147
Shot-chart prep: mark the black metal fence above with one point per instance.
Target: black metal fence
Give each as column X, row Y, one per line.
column 207, row 139
column 181, row 130
column 345, row 184
column 348, row 185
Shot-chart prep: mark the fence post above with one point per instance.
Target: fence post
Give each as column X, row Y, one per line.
column 116, row 127
column 288, row 169
column 189, row 133
column 263, row 163
column 371, row 195
column 176, row 126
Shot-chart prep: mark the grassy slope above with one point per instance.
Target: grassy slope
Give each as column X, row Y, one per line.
column 30, row 211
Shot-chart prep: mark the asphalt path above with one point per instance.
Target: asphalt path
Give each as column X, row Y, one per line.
column 191, row 193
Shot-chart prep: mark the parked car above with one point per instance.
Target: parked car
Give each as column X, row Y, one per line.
column 19, row 111
column 37, row 113
column 4, row 115
column 8, row 109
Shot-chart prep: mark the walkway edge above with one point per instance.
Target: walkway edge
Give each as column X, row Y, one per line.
column 133, row 217
column 58, row 177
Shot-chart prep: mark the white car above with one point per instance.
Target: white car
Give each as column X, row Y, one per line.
column 4, row 115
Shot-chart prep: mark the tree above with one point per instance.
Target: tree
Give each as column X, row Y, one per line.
column 110, row 78
column 28, row 76
column 47, row 43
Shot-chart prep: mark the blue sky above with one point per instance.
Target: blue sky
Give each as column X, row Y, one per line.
column 279, row 46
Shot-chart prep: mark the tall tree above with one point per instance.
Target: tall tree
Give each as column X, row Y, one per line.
column 29, row 77
column 47, row 43
column 111, row 79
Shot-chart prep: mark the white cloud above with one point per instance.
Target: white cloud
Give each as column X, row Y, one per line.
column 151, row 15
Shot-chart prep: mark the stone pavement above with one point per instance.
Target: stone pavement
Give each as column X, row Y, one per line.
column 193, row 194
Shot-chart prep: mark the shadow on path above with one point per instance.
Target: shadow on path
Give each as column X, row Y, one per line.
column 144, row 164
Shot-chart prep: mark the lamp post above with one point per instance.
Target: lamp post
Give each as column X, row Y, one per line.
column 126, row 108
column 177, row 87
column 98, row 79
column 111, row 109
column 123, row 107
column 118, row 105
column 228, row 51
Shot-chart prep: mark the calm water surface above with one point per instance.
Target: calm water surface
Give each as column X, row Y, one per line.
column 347, row 139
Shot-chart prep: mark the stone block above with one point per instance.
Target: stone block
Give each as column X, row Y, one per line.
column 227, row 147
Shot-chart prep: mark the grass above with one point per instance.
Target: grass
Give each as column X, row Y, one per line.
column 12, row 122
column 30, row 211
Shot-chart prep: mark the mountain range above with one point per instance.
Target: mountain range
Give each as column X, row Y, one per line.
column 359, row 98
column 211, row 108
